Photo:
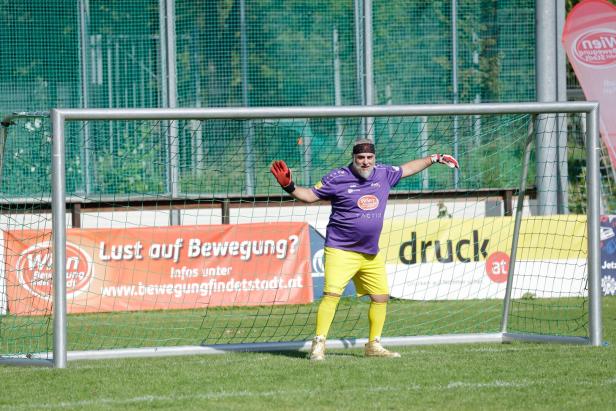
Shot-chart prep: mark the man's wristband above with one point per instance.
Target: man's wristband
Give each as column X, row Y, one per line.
column 290, row 188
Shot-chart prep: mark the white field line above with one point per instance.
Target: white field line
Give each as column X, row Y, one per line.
column 491, row 384
column 454, row 385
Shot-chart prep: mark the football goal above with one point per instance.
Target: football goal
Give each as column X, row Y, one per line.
column 144, row 232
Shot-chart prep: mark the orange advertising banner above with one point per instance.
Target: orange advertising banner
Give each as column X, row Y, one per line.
column 162, row 268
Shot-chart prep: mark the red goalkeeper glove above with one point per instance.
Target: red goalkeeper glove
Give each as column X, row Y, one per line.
column 283, row 175
column 446, row 159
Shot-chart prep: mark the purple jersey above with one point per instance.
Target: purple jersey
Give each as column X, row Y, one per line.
column 358, row 206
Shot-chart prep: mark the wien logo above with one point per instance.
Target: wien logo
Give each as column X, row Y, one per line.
column 35, row 270
column 596, row 48
column 368, row 202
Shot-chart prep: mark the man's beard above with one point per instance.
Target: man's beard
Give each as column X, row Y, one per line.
column 363, row 172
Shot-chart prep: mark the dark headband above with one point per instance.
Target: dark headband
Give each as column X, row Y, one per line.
column 363, row 148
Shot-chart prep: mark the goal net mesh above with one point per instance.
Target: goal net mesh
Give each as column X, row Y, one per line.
column 179, row 235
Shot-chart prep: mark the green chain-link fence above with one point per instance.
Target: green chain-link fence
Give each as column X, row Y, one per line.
column 110, row 53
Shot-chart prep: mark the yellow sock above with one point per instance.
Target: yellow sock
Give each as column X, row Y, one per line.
column 325, row 314
column 376, row 317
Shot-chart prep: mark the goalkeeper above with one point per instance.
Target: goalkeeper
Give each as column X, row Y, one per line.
column 358, row 194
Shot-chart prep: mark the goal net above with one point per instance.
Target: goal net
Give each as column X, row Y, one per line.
column 146, row 232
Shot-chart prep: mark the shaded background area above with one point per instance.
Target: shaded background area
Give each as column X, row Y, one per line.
column 231, row 53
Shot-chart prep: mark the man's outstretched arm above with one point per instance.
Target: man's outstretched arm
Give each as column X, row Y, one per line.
column 420, row 164
column 283, row 175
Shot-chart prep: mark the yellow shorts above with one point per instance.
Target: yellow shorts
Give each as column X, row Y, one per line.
column 366, row 270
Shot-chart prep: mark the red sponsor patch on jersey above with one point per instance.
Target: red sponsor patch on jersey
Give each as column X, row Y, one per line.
column 368, row 202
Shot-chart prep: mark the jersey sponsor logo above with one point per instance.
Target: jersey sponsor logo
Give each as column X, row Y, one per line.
column 377, row 185
column 368, row 202
column 353, row 190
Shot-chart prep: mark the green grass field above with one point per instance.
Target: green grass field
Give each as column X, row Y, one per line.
column 461, row 377
column 235, row 325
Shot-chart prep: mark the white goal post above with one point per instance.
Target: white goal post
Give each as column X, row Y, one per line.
column 542, row 113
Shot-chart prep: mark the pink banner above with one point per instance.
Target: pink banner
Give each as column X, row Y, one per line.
column 589, row 38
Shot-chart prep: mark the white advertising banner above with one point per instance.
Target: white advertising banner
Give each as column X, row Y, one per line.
column 455, row 259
